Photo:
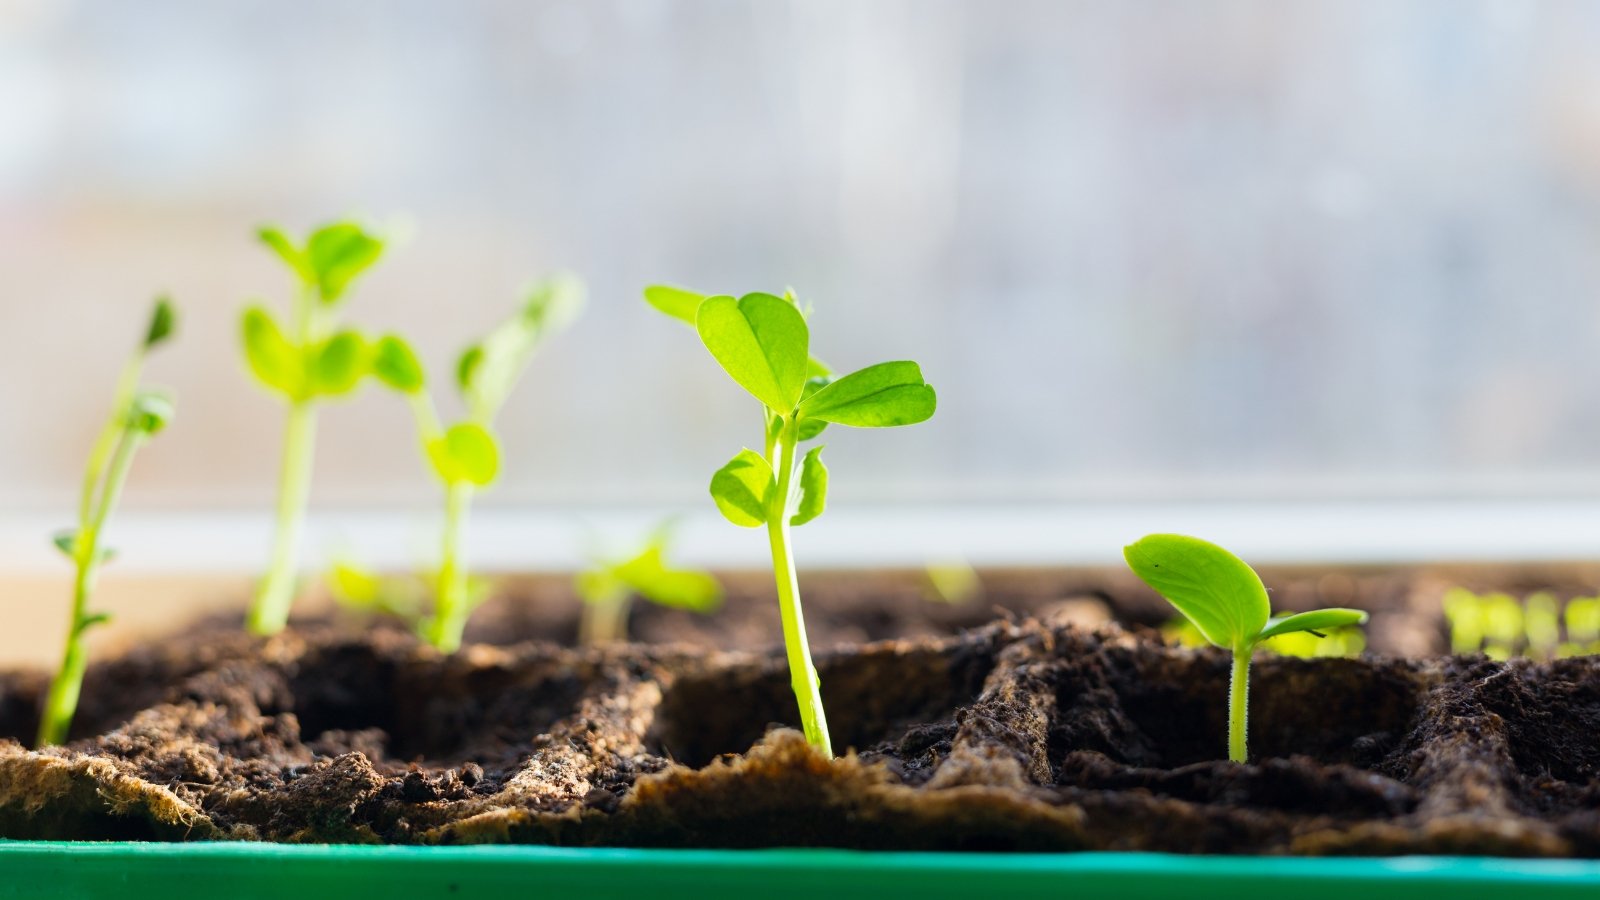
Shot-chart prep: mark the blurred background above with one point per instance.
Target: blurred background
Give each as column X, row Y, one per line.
column 1318, row 277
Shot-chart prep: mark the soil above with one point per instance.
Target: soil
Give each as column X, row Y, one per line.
column 1046, row 729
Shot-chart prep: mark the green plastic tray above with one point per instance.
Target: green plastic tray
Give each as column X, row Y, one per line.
column 245, row 871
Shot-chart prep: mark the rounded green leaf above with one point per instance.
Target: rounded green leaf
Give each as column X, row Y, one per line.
column 676, row 302
column 274, row 361
column 744, row 489
column 813, row 488
column 880, row 396
column 149, row 411
column 1214, row 589
column 466, row 452
column 335, row 254
column 163, row 321
column 761, row 342
column 396, row 365
column 339, row 364
column 1315, row 620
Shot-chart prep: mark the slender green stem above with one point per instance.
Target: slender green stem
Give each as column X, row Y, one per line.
column 802, row 674
column 605, row 618
column 62, row 700
column 1239, row 705
column 105, row 443
column 270, row 613
column 452, row 606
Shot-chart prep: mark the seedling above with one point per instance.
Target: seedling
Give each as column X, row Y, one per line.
column 763, row 343
column 312, row 360
column 609, row 587
column 368, row 593
column 1227, row 602
column 1500, row 626
column 465, row 456
column 137, row 413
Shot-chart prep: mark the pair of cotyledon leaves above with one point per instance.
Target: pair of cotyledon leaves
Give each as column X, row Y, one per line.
column 649, row 575
column 325, row 265
column 763, row 343
column 1220, row 593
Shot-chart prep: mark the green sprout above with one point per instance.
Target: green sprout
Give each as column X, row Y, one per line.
column 1226, row 600
column 763, row 343
column 1500, row 626
column 609, row 587
column 313, row 359
column 465, row 456
column 137, row 413
column 367, row 593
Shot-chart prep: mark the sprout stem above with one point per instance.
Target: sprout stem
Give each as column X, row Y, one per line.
column 62, row 701
column 270, row 612
column 443, row 630
column 605, row 619
column 802, row 674
column 1239, row 705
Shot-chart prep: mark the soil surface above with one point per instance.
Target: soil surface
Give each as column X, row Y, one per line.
column 1030, row 732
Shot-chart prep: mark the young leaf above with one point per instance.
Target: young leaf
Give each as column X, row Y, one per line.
column 744, row 489
column 1316, row 620
column 487, row 375
column 274, row 361
column 163, row 320
column 813, row 488
column 760, row 341
column 339, row 363
column 396, row 365
column 287, row 251
column 649, row 575
column 810, row 429
column 335, row 254
column 1214, row 589
column 880, row 396
column 67, row 543
column 467, row 366
column 465, row 452
column 149, row 411
column 675, row 302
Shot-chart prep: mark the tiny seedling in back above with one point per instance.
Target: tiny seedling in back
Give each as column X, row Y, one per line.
column 465, row 456
column 763, row 343
column 136, row 414
column 313, row 359
column 609, row 587
column 1226, row 601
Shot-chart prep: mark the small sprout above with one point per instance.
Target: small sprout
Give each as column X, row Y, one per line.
column 1502, row 625
column 953, row 581
column 368, row 593
column 609, row 587
column 137, row 414
column 314, row 359
column 763, row 343
column 465, row 456
column 1541, row 622
column 1226, row 601
column 1464, row 611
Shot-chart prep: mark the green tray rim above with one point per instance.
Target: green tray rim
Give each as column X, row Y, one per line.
column 246, row 870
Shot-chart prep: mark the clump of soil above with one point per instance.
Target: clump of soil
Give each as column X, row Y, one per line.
column 1009, row 736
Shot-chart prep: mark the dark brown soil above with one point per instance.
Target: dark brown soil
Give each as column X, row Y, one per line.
column 1019, row 734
